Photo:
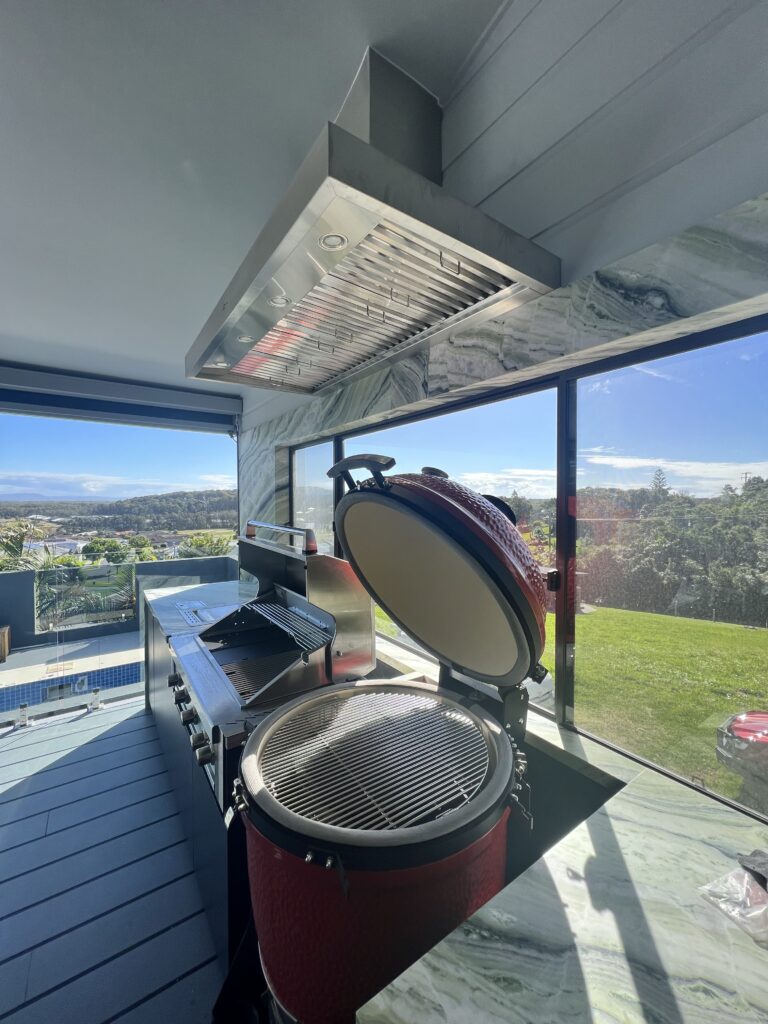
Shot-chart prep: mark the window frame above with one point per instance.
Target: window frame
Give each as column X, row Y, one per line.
column 565, row 383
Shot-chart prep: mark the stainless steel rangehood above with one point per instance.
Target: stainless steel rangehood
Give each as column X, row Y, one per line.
column 365, row 258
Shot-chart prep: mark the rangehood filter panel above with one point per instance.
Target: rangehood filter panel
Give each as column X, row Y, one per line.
column 363, row 260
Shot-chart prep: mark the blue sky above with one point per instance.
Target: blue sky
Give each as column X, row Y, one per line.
column 55, row 458
column 702, row 417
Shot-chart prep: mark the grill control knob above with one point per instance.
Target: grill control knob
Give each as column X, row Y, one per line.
column 188, row 716
column 181, row 697
column 174, row 679
column 198, row 739
column 204, row 754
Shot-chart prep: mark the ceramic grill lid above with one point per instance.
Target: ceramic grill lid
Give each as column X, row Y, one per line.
column 448, row 565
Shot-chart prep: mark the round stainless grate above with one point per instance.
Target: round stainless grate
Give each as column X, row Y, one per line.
column 374, row 759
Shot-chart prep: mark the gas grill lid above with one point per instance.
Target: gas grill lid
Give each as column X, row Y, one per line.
column 376, row 764
column 363, row 260
column 448, row 566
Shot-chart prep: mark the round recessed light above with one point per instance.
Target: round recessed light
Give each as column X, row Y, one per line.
column 334, row 241
column 279, row 300
column 245, row 339
column 221, row 363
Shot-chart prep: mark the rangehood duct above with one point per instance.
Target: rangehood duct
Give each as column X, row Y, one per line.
column 366, row 258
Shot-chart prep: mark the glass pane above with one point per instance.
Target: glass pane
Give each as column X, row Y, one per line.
column 91, row 515
column 313, row 493
column 506, row 448
column 672, row 564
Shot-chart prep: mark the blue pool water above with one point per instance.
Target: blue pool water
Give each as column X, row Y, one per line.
column 48, row 691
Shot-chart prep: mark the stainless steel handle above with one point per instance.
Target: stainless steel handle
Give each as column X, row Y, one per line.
column 310, row 542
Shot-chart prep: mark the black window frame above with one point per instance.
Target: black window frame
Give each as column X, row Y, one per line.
column 565, row 382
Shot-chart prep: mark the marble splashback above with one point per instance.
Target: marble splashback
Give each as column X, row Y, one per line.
column 709, row 275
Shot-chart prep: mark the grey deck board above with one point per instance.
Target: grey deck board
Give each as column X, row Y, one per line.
column 13, row 808
column 100, row 915
column 13, row 982
column 88, row 864
column 23, row 831
column 37, row 776
column 34, row 756
column 110, row 935
column 76, row 728
column 104, row 803
column 56, row 914
column 189, row 999
column 102, row 994
column 88, row 835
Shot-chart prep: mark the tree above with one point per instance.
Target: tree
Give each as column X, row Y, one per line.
column 205, row 545
column 659, row 485
column 101, row 546
column 139, row 542
column 69, row 560
column 16, row 551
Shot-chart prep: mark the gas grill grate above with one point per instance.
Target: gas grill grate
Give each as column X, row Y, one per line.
column 250, row 677
column 375, row 760
column 309, row 636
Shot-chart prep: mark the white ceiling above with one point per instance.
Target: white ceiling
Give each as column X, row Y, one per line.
column 144, row 142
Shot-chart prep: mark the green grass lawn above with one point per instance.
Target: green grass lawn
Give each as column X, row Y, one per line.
column 659, row 685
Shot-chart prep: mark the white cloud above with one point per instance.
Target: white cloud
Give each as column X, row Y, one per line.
column 601, row 386
column 599, row 449
column 655, row 373
column 533, row 483
column 219, row 481
column 698, row 478
column 95, row 485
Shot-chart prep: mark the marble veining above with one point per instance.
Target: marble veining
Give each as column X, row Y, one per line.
column 709, row 275
column 607, row 927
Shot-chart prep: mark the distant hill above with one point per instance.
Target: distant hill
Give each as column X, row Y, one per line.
column 178, row 510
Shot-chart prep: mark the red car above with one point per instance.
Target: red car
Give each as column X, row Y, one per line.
column 742, row 746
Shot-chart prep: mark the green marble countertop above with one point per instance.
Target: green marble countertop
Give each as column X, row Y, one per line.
column 608, row 926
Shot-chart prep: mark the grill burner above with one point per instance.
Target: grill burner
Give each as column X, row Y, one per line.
column 375, row 760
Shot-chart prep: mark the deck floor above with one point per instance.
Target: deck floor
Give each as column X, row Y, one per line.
column 100, row 915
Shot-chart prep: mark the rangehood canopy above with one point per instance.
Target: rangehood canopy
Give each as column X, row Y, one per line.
column 364, row 260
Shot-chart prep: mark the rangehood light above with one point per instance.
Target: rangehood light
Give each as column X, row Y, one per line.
column 279, row 300
column 245, row 339
column 333, row 242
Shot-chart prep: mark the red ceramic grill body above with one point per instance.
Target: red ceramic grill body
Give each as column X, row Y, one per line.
column 330, row 941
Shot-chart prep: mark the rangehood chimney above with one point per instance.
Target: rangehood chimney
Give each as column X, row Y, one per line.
column 366, row 258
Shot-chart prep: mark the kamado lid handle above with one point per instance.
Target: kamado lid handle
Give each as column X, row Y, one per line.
column 375, row 464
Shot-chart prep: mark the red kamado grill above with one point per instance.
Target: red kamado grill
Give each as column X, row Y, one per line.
column 376, row 813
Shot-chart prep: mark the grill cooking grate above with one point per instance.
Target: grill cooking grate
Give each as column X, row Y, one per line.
column 250, row 677
column 307, row 635
column 389, row 288
column 375, row 760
